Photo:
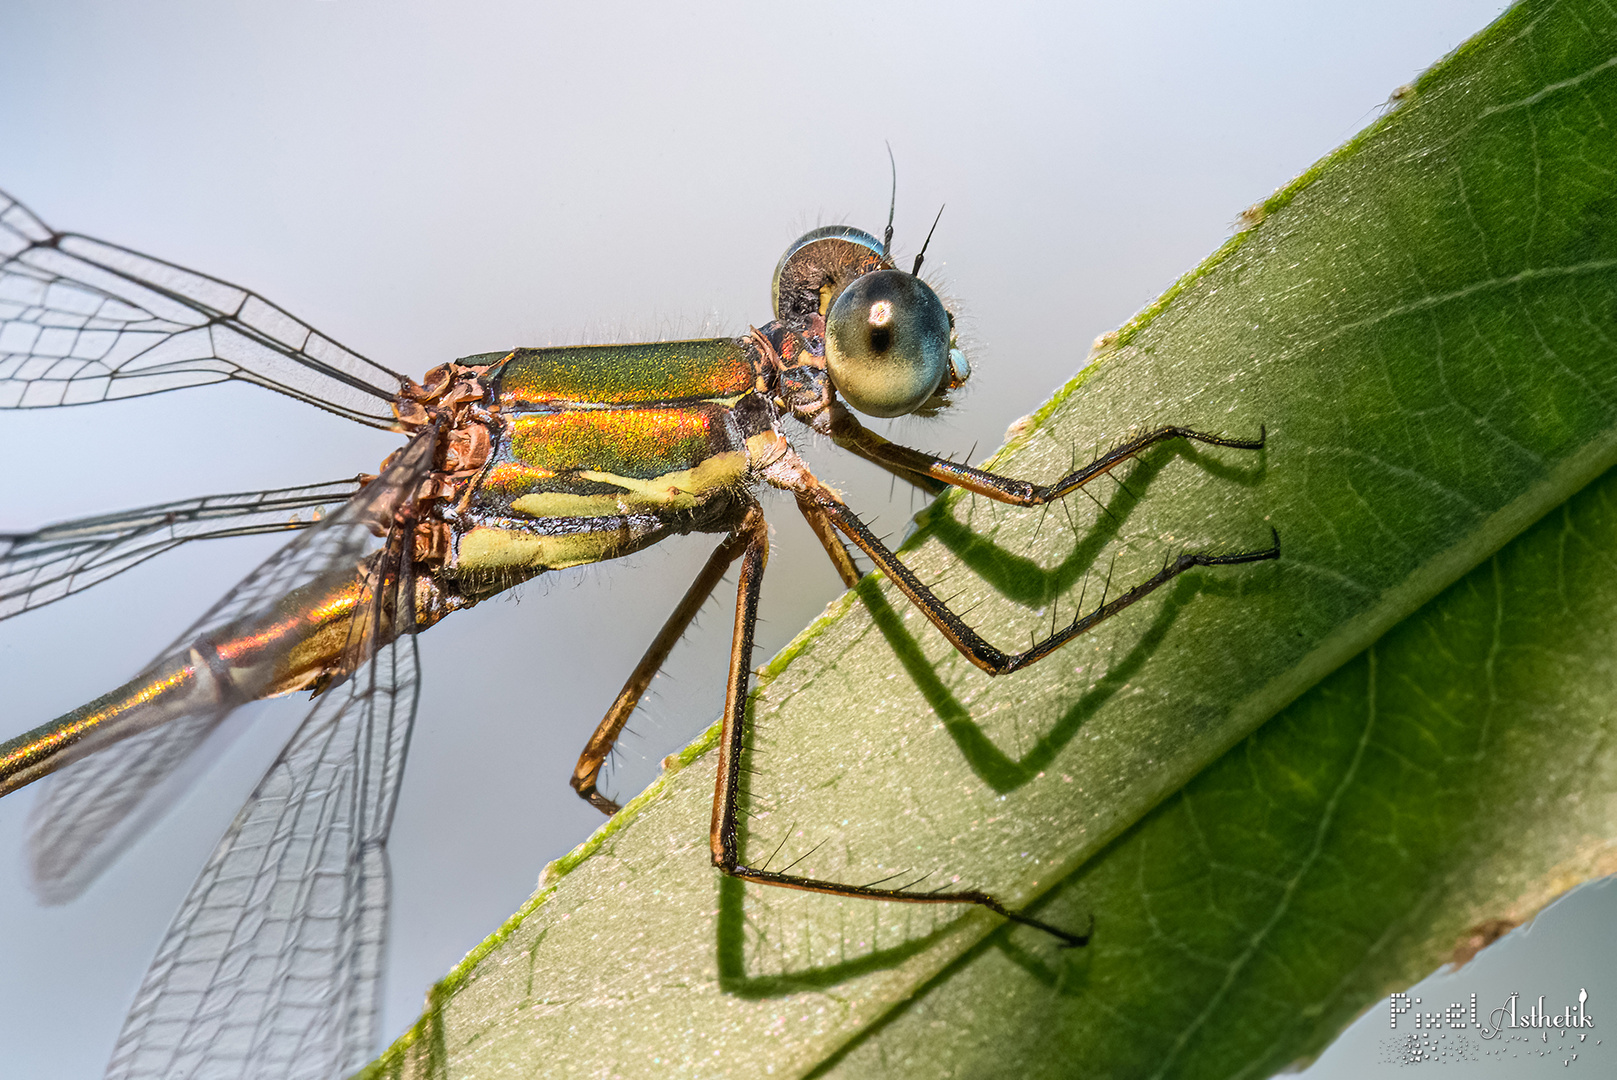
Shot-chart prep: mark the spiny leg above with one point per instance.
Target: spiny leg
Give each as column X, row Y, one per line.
column 847, row 570
column 588, row 770
column 726, row 808
column 851, row 434
column 908, row 474
column 971, row 644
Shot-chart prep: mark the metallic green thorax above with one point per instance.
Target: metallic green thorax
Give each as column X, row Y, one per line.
column 664, row 371
column 600, row 450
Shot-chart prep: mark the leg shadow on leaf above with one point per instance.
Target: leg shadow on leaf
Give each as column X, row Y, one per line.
column 1022, row 580
column 743, row 938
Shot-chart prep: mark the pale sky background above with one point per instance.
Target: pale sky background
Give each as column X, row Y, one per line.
column 423, row 181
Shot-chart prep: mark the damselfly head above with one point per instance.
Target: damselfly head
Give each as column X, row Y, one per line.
column 889, row 342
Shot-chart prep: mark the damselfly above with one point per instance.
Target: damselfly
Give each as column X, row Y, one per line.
column 516, row 463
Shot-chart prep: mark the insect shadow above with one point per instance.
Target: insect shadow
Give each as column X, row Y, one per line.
column 1022, row 580
column 1066, row 975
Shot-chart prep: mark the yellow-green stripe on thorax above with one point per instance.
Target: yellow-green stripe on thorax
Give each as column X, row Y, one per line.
column 601, row 449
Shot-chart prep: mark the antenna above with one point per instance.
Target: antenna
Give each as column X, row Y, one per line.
column 892, row 204
column 929, row 232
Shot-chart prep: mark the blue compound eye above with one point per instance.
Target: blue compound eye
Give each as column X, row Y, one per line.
column 887, row 343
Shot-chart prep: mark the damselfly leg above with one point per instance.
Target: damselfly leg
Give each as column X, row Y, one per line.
column 587, row 774
column 726, row 807
column 831, row 519
column 850, row 433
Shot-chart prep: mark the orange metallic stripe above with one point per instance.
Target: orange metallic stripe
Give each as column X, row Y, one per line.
column 641, row 443
column 28, row 756
column 303, row 642
column 514, row 477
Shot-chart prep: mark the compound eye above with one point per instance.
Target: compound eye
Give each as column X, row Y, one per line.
column 887, row 343
column 817, row 267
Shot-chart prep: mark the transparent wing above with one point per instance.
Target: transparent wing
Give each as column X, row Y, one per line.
column 59, row 560
column 273, row 965
column 83, row 321
column 92, row 810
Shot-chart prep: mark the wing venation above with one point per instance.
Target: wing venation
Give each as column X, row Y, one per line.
column 93, row 809
column 82, row 321
column 44, row 566
column 272, row 968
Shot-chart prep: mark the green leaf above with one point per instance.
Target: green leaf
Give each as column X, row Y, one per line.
column 1436, row 790
column 1426, row 324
